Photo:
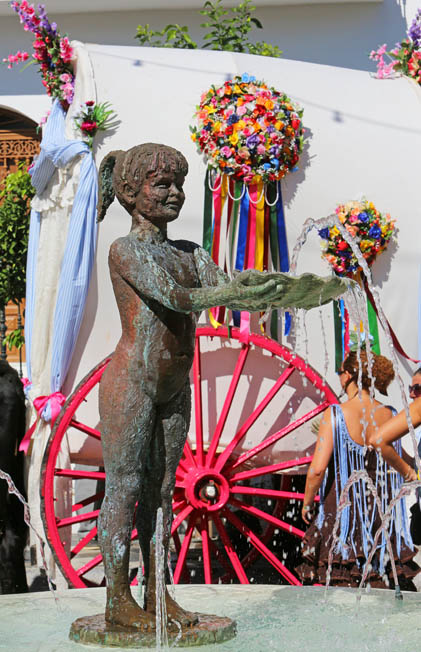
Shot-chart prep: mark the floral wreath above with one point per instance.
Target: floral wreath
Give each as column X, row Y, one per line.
column 248, row 130
column 372, row 231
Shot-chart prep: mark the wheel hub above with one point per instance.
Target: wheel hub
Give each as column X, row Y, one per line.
column 206, row 489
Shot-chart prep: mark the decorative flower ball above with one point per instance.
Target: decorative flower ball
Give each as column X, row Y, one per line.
column 248, row 130
column 371, row 229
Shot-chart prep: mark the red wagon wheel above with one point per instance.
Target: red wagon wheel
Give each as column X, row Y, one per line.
column 236, row 490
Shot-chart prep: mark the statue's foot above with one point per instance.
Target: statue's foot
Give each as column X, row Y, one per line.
column 175, row 613
column 125, row 612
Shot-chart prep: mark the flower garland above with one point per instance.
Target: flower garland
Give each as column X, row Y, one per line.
column 372, row 230
column 248, row 130
column 53, row 52
column 405, row 58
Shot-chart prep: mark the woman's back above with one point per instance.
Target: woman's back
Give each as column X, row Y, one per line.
column 358, row 412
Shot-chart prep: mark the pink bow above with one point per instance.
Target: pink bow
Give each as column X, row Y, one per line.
column 48, row 408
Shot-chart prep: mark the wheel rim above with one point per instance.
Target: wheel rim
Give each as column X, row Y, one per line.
column 219, row 496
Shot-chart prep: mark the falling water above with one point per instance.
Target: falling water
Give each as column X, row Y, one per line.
column 11, row 487
column 161, row 610
column 356, row 305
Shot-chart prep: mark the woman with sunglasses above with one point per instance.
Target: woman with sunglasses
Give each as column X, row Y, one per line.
column 341, row 450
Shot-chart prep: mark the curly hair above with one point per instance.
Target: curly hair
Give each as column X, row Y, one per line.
column 382, row 370
column 122, row 173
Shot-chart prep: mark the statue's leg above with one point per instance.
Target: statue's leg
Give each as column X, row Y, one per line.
column 126, row 435
column 172, row 426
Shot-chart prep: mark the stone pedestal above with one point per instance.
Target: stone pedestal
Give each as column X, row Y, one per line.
column 93, row 630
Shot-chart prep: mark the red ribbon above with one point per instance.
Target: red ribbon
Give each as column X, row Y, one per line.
column 56, row 401
column 393, row 335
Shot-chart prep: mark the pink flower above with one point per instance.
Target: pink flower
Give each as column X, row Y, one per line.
column 65, row 77
column 89, row 126
column 226, row 151
column 261, row 149
column 241, row 110
column 90, row 103
column 66, row 50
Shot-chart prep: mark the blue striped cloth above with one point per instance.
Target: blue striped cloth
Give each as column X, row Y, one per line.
column 57, row 152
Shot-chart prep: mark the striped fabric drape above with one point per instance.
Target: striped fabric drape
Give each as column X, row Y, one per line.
column 57, row 152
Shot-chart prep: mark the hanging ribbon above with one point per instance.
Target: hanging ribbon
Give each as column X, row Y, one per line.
column 244, row 228
column 393, row 335
column 48, row 409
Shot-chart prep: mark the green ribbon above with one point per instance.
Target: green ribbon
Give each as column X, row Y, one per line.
column 207, row 216
column 374, row 328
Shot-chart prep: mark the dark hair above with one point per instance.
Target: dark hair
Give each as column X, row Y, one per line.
column 121, row 173
column 382, row 370
column 416, row 372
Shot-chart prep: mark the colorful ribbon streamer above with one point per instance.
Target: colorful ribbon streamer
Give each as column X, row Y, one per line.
column 244, row 228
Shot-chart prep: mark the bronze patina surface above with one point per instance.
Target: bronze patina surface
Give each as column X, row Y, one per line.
column 161, row 286
column 94, row 630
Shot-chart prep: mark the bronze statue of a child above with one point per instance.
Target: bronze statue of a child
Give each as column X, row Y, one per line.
column 161, row 286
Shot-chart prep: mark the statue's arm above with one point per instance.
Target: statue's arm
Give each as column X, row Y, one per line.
column 209, row 273
column 135, row 265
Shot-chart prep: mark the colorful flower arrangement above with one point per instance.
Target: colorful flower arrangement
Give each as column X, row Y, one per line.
column 53, row 52
column 405, row 58
column 371, row 229
column 248, row 130
column 93, row 118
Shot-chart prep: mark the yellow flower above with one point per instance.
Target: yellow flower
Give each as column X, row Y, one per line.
column 216, row 126
column 341, row 217
column 193, row 137
column 279, row 125
column 238, row 126
column 269, row 105
column 365, row 244
column 238, row 89
column 334, row 232
column 233, row 139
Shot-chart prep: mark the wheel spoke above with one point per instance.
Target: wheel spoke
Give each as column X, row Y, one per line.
column 178, row 504
column 220, row 558
column 83, row 542
column 269, row 493
column 180, row 518
column 92, row 432
column 88, row 501
column 184, row 548
column 205, row 549
column 260, row 546
column 267, row 517
column 76, row 474
column 278, row 435
column 222, row 459
column 93, row 563
column 227, row 404
column 232, row 555
column 272, row 468
column 187, row 452
column 80, row 518
column 197, row 382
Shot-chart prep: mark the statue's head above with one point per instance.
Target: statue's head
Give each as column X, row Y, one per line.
column 148, row 178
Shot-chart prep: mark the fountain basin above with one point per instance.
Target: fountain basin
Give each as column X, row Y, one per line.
column 268, row 618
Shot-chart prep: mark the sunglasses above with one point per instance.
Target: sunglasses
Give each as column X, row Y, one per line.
column 415, row 389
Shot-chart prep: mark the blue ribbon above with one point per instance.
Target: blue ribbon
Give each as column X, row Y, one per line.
column 241, row 245
column 282, row 246
column 342, row 310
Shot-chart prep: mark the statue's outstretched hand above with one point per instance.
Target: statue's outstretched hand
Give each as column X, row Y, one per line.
column 252, row 290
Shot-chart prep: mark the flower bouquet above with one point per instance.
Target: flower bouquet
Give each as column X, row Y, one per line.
column 52, row 52
column 93, row 118
column 248, row 130
column 405, row 58
column 372, row 231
